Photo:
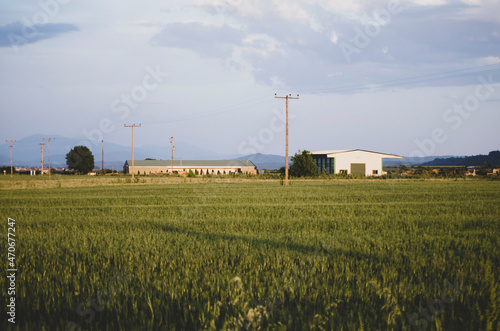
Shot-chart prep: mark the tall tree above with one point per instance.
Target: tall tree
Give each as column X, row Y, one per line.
column 303, row 165
column 80, row 158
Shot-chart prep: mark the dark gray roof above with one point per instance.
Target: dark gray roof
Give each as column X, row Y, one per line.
column 191, row 163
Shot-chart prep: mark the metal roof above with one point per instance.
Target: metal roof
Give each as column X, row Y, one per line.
column 331, row 153
column 192, row 163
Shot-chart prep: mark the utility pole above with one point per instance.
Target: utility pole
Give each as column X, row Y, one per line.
column 286, row 160
column 49, row 139
column 42, row 144
column 132, row 126
column 173, row 149
column 102, row 157
column 11, row 167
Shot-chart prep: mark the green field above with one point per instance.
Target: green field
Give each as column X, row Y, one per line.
column 249, row 255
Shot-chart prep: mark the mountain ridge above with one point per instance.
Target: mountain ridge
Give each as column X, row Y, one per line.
column 27, row 152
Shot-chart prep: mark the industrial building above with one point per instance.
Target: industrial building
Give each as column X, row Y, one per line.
column 355, row 161
column 184, row 166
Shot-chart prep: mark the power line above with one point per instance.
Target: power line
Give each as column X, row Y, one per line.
column 49, row 139
column 42, row 144
column 11, row 166
column 102, row 158
column 263, row 100
column 132, row 126
column 286, row 156
column 459, row 73
column 173, row 149
column 252, row 103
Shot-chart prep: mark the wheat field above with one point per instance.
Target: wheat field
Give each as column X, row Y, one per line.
column 254, row 255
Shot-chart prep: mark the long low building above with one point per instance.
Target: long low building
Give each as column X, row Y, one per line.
column 200, row 167
column 355, row 161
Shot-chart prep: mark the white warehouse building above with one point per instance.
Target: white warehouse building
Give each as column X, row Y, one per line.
column 354, row 161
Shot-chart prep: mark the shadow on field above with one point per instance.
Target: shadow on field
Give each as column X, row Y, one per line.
column 287, row 244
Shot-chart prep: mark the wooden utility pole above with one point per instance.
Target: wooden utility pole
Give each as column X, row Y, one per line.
column 11, row 167
column 41, row 172
column 173, row 149
column 102, row 158
column 286, row 156
column 132, row 126
column 49, row 139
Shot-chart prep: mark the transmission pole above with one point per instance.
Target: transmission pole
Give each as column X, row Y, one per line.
column 286, row 156
column 102, row 157
column 173, row 149
column 42, row 144
column 10, row 146
column 49, row 139
column 132, row 126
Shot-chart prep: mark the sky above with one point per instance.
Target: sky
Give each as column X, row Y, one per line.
column 413, row 78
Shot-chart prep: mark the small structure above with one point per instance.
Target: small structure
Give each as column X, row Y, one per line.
column 355, row 161
column 184, row 166
column 471, row 171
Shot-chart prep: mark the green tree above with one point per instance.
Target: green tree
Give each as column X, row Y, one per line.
column 282, row 171
column 303, row 164
column 80, row 158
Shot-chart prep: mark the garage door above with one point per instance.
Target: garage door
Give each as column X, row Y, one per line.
column 358, row 169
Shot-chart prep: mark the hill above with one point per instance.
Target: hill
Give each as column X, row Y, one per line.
column 265, row 161
column 492, row 158
column 27, row 152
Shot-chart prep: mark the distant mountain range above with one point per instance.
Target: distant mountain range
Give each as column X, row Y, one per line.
column 265, row 161
column 27, row 152
column 411, row 161
column 492, row 158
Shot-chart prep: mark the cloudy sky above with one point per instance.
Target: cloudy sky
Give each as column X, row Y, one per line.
column 414, row 78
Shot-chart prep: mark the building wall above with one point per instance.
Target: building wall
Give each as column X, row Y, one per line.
column 372, row 161
column 324, row 162
column 249, row 170
column 162, row 169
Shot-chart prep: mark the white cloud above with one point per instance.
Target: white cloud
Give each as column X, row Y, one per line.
column 483, row 9
column 243, row 8
column 489, row 60
column 268, row 37
column 292, row 11
column 429, row 2
column 261, row 45
column 334, row 37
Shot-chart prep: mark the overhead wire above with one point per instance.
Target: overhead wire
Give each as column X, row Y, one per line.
column 251, row 103
column 265, row 100
column 453, row 74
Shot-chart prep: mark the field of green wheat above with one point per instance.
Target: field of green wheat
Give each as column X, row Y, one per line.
column 254, row 255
